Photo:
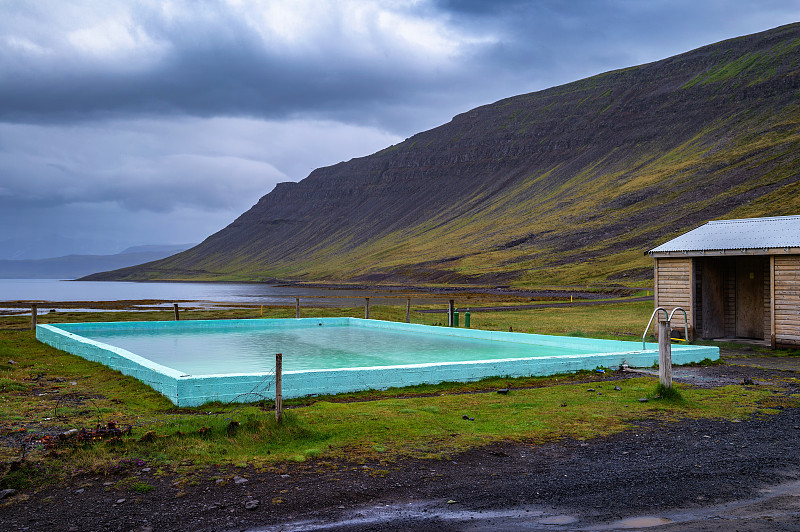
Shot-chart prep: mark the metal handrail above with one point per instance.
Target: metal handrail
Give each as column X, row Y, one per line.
column 651, row 321
column 685, row 322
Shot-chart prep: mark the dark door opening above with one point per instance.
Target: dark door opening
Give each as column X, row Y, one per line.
column 750, row 297
column 713, row 296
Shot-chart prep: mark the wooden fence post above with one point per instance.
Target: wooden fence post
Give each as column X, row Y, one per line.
column 297, row 307
column 408, row 310
column 664, row 354
column 278, row 387
column 175, row 308
column 366, row 309
column 34, row 315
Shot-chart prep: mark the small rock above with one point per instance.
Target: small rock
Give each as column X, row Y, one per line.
column 145, row 469
column 284, row 476
column 120, row 501
column 465, row 416
column 7, row 493
column 503, row 391
column 617, row 388
column 79, row 490
column 563, row 404
column 108, row 483
column 472, row 419
column 11, row 362
column 340, row 507
column 252, row 504
column 748, row 381
column 239, row 480
column 590, row 390
column 73, row 383
column 643, row 399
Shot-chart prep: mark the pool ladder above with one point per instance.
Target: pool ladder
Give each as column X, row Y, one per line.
column 668, row 320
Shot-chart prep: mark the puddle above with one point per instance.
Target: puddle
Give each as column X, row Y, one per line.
column 426, row 512
column 558, row 520
column 641, row 522
column 423, row 514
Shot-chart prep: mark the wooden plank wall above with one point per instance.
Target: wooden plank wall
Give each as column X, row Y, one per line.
column 674, row 288
column 787, row 300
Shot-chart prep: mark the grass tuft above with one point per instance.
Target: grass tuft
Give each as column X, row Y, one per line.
column 669, row 394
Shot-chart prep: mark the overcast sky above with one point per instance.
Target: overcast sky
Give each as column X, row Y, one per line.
column 158, row 122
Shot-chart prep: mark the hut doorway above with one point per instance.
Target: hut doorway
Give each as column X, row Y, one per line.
column 750, row 296
column 715, row 275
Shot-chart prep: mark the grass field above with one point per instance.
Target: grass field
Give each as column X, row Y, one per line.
column 45, row 392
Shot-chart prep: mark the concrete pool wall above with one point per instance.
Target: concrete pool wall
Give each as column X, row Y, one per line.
column 194, row 390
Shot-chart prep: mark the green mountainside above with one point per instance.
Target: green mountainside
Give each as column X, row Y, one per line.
column 571, row 184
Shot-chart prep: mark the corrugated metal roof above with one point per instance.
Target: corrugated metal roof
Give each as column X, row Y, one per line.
column 748, row 233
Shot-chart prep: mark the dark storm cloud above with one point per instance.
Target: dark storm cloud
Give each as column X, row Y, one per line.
column 210, row 63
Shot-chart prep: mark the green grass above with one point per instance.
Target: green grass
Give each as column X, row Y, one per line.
column 48, row 391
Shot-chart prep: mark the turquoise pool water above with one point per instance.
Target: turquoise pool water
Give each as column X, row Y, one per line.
column 235, row 350
column 196, row 361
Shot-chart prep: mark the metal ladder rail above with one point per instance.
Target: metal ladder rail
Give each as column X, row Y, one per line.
column 685, row 322
column 662, row 309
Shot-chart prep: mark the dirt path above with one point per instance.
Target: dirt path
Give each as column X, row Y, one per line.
column 687, row 475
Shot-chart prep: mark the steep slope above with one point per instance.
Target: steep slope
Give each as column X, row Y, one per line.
column 569, row 184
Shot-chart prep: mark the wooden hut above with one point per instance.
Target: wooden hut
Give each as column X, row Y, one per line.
column 737, row 279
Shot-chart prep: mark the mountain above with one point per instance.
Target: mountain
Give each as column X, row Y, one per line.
column 572, row 184
column 53, row 245
column 73, row 266
column 165, row 249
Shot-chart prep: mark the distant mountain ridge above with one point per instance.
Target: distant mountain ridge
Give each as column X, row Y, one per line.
column 74, row 266
column 569, row 184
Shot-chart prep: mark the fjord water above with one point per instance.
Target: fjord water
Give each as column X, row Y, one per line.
column 237, row 293
column 220, row 350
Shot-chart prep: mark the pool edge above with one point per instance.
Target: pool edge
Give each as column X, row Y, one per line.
column 187, row 390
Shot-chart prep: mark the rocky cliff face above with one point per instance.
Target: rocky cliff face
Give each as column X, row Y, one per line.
column 569, row 184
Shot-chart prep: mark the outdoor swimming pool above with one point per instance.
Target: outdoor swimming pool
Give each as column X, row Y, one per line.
column 197, row 361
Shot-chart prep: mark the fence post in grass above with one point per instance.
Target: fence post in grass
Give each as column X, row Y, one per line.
column 366, row 309
column 175, row 308
column 278, row 387
column 664, row 355
column 450, row 311
column 408, row 310
column 297, row 307
column 34, row 315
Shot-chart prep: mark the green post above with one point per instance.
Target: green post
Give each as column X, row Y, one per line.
column 455, row 319
column 466, row 319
